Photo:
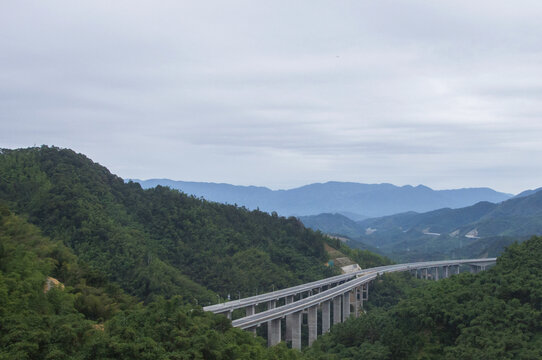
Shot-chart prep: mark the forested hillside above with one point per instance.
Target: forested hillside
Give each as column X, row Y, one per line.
column 157, row 241
column 87, row 317
column 496, row 314
column 479, row 230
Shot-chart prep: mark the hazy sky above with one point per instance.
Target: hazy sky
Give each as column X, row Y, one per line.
column 281, row 93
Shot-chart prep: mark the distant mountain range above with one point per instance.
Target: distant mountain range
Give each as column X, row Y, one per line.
column 481, row 229
column 354, row 200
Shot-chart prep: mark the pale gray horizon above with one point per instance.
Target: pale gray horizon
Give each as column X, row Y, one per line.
column 281, row 94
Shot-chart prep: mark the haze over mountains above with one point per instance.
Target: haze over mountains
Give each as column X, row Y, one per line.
column 482, row 229
column 354, row 200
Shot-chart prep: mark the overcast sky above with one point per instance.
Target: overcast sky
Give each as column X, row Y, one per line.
column 281, row 93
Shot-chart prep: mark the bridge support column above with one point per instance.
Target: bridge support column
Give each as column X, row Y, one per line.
column 326, row 321
column 425, row 273
column 337, row 309
column 295, row 329
column 251, row 310
column 273, row 332
column 356, row 302
column 346, row 306
column 436, row 273
column 446, row 272
column 271, row 326
column 228, row 314
column 312, row 320
column 253, row 330
column 289, row 300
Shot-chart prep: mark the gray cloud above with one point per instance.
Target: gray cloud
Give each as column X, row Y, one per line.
column 280, row 93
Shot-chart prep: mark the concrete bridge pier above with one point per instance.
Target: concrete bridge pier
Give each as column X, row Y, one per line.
column 436, row 274
column 251, row 310
column 270, row 325
column 356, row 302
column 346, row 306
column 295, row 329
column 289, row 300
column 273, row 332
column 337, row 309
column 312, row 321
column 446, row 272
column 326, row 321
column 365, row 291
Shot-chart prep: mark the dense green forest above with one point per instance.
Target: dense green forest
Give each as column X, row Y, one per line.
column 90, row 318
column 157, row 241
column 496, row 314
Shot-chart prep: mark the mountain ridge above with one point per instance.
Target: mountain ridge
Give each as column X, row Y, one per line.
column 449, row 230
column 157, row 242
column 356, row 200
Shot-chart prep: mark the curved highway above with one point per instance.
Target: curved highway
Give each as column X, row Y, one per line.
column 363, row 276
column 351, row 281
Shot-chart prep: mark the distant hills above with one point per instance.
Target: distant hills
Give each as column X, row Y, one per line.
column 477, row 230
column 528, row 192
column 354, row 200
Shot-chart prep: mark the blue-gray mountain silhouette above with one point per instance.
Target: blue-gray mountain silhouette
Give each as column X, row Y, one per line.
column 354, row 200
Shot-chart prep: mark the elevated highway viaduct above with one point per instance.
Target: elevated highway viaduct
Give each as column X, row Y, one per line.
column 337, row 297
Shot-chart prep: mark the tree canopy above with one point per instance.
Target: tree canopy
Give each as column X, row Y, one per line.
column 495, row 314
